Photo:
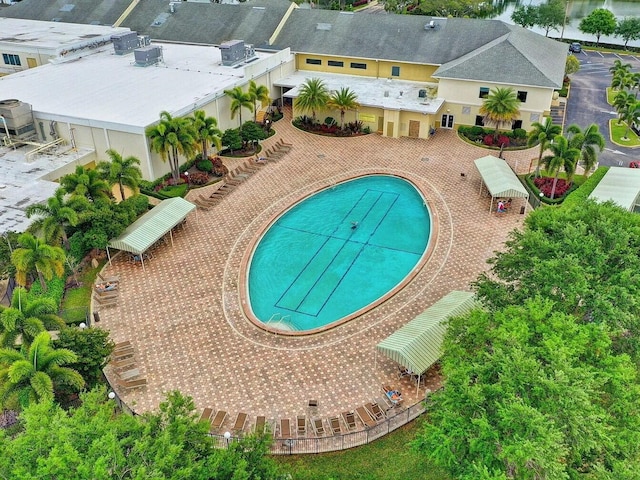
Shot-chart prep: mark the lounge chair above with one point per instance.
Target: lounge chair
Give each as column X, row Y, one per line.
column 318, row 427
column 241, row 421
column 202, row 205
column 285, row 428
column 105, row 295
column 122, row 354
column 218, row 420
column 260, row 424
column 385, row 403
column 129, row 374
column 106, row 302
column 124, row 363
column 121, row 345
column 375, row 411
column 284, row 147
column 140, row 382
column 301, row 426
column 271, row 154
column 204, row 199
column 206, row 415
column 349, row 419
column 334, row 423
column 282, row 142
column 228, row 180
column 108, row 278
column 365, row 418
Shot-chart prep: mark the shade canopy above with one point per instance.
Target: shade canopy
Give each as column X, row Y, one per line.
column 499, row 178
column 417, row 345
column 621, row 186
column 152, row 226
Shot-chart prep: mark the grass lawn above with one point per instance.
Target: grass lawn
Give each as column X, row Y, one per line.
column 617, row 132
column 389, row 458
column 175, row 190
column 77, row 300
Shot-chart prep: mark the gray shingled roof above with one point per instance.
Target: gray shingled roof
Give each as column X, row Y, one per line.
column 84, row 11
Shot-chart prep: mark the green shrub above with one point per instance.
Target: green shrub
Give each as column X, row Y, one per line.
column 138, row 203
column 205, row 166
column 330, row 121
column 173, row 191
column 77, row 248
column 579, row 195
column 519, row 133
column 366, row 129
column 476, row 130
column 55, row 290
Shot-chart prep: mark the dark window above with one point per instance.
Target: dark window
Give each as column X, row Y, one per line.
column 361, row 66
column 335, row 63
column 484, row 92
column 395, row 71
column 479, row 121
column 522, row 96
column 10, row 59
column 517, row 124
column 314, row 61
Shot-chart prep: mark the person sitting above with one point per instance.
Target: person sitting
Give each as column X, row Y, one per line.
column 354, row 225
column 501, row 206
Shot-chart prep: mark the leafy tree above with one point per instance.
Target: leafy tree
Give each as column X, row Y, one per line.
column 35, row 256
column 55, row 216
column 105, row 221
column 239, row 100
column 172, row 137
column 551, row 15
column 313, row 96
column 622, row 80
column 628, row 29
column 27, row 316
column 622, row 101
column 572, row 66
column 35, row 372
column 86, row 182
column 8, row 241
column 589, row 141
column 563, row 156
column 453, row 8
column 122, row 171
column 258, row 93
column 599, row 22
column 629, row 113
column 231, row 139
column 343, row 100
column 206, row 131
column 542, row 134
column 525, row 15
column 252, row 133
column 500, row 108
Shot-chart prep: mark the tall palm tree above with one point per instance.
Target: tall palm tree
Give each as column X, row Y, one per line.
column 239, row 100
column 500, row 108
column 34, row 373
column 343, row 100
column 258, row 93
column 619, row 66
column 542, row 133
column 86, row 182
column 172, row 137
column 622, row 80
column 36, row 256
column 206, row 131
column 563, row 156
column 27, row 316
column 630, row 114
column 123, row 171
column 589, row 141
column 313, row 96
column 55, row 216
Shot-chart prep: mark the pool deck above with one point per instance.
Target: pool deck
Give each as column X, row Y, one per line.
column 183, row 315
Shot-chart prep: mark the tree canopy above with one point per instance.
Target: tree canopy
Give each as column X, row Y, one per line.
column 599, row 22
column 628, row 29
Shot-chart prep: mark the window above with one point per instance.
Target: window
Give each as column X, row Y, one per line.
column 479, row 121
column 484, row 92
column 466, row 110
column 361, row 66
column 522, row 96
column 517, row 124
column 314, row 61
column 335, row 63
column 395, row 71
column 534, row 117
column 10, row 59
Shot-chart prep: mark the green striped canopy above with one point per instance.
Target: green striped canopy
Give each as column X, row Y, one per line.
column 417, row 345
column 152, row 226
column 499, row 178
column 621, row 186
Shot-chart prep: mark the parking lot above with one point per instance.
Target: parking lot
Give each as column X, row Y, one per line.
column 587, row 102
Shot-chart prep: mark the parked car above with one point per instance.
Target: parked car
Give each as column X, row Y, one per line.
column 575, row 47
column 634, row 164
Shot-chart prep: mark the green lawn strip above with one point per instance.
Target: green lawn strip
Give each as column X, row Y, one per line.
column 611, row 95
column 389, row 457
column 174, row 190
column 617, row 132
column 77, row 300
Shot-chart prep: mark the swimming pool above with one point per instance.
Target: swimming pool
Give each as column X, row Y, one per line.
column 337, row 253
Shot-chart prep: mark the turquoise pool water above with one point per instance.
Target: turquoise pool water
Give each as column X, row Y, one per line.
column 312, row 267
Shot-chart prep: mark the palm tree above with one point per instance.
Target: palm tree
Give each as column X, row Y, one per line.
column 34, row 373
column 619, row 66
column 500, row 108
column 35, row 255
column 239, row 100
column 123, row 171
column 54, row 216
column 206, row 131
column 343, row 100
column 313, row 96
column 588, row 142
column 622, row 80
column 630, row 114
column 85, row 182
column 27, row 316
column 258, row 93
column 542, row 133
column 564, row 156
column 172, row 137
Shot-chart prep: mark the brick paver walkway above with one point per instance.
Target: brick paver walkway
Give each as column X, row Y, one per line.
column 183, row 315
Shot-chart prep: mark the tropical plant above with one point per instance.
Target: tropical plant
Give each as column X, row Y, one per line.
column 35, row 256
column 232, row 139
column 622, row 80
column 27, row 316
column 572, row 65
column 258, row 93
column 622, row 100
column 599, row 22
column 55, row 216
column 563, row 156
column 172, row 137
column 630, row 114
column 343, row 100
column 619, row 66
column 251, row 134
column 542, row 133
column 34, row 373
column 628, row 29
column 86, row 182
column 206, row 132
column 500, row 108
column 239, row 100
column 589, row 141
column 312, row 97
column 122, row 171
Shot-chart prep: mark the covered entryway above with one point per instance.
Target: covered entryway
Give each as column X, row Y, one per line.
column 500, row 180
column 447, row 121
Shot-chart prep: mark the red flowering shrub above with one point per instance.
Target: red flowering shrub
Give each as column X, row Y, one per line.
column 503, row 140
column 488, row 140
column 199, row 178
column 545, row 185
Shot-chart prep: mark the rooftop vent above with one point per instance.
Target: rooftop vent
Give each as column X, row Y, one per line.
column 235, row 51
column 422, row 93
column 146, row 56
column 125, row 42
column 323, row 26
column 431, row 25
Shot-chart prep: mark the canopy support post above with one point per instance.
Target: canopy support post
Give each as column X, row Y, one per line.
column 142, row 262
column 108, row 255
column 171, row 236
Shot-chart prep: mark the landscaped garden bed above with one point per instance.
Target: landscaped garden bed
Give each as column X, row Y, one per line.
column 488, row 137
column 330, row 127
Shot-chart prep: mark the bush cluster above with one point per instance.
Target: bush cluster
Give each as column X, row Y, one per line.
column 511, row 138
column 545, row 185
column 329, row 127
column 204, row 166
column 199, row 178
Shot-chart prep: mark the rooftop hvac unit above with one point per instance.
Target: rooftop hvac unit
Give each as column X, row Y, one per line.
column 125, row 42
column 144, row 40
column 431, row 25
column 17, row 119
column 232, row 52
column 422, row 93
column 146, row 56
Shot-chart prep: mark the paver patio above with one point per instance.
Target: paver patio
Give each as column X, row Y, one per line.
column 183, row 315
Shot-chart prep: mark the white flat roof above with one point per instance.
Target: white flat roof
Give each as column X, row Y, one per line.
column 108, row 90
column 620, row 185
column 371, row 92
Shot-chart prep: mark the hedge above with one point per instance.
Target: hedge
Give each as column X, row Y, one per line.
column 579, row 195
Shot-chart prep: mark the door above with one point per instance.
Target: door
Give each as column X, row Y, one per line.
column 447, row 121
column 31, row 62
column 380, row 125
column 389, row 129
column 414, row 128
